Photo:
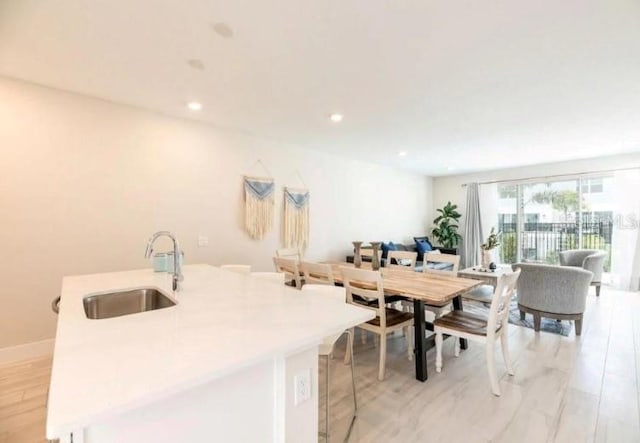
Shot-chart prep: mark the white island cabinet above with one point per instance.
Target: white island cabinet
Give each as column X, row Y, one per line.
column 219, row 366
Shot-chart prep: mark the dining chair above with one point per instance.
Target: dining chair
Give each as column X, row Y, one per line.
column 317, row 273
column 291, row 270
column 461, row 324
column 449, row 263
column 290, row 253
column 368, row 252
column 446, row 264
column 239, row 269
column 337, row 294
column 367, row 285
column 401, row 260
column 275, row 277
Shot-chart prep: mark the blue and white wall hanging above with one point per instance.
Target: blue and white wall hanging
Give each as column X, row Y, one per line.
column 259, row 203
column 296, row 218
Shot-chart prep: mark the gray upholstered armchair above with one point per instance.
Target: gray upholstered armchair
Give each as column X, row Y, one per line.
column 549, row 291
column 589, row 259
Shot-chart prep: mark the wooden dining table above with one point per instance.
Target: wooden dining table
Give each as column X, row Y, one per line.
column 424, row 289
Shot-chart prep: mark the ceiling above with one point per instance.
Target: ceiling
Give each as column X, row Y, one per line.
column 460, row 86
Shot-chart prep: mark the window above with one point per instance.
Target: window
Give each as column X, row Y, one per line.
column 509, row 191
column 592, row 185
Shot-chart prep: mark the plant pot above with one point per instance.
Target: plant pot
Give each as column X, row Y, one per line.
column 487, row 258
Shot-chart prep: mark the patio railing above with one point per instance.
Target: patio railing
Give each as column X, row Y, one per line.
column 543, row 241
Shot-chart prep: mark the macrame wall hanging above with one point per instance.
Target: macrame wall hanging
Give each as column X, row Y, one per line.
column 259, row 203
column 296, row 218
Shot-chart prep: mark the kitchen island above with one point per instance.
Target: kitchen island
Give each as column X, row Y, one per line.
column 220, row 365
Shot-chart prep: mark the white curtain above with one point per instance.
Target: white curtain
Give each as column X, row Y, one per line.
column 488, row 195
column 625, row 244
column 472, row 231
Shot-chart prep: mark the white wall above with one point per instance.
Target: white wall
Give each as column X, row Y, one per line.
column 450, row 188
column 85, row 182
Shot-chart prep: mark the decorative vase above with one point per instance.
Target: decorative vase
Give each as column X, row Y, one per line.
column 487, row 258
column 357, row 258
column 375, row 260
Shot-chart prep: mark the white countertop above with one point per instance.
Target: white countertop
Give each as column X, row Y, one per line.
column 222, row 322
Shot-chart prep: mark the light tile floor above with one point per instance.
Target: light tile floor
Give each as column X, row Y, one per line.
column 566, row 389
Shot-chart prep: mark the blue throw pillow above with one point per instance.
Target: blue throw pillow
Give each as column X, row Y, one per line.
column 422, row 247
column 386, row 247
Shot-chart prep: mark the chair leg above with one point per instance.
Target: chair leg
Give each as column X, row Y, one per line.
column 491, row 366
column 536, row 322
column 348, row 353
column 504, row 342
column 383, row 354
column 456, row 346
column 597, row 290
column 363, row 336
column 439, row 341
column 579, row 326
column 326, row 425
column 407, row 333
column 522, row 315
column 353, row 384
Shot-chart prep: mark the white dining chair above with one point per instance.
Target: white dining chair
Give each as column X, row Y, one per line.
column 238, row 269
column 275, row 277
column 337, row 294
column 317, row 273
column 405, row 260
column 365, row 285
column 290, row 253
column 461, row 324
column 291, row 270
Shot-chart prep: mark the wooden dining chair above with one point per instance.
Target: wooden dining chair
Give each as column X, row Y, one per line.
column 325, row 349
column 368, row 252
column 368, row 285
column 449, row 265
column 275, row 277
column 317, row 273
column 401, row 260
column 239, row 269
column 453, row 262
column 290, row 253
column 291, row 270
column 484, row 330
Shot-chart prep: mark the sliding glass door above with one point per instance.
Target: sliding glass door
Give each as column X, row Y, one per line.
column 540, row 219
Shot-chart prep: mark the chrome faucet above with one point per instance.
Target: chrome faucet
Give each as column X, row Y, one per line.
column 177, row 268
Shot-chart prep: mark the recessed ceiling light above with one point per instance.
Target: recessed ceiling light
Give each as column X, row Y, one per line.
column 196, row 64
column 402, row 153
column 222, row 29
column 336, row 118
column 194, row 106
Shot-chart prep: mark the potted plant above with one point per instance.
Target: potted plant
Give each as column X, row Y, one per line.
column 446, row 230
column 493, row 241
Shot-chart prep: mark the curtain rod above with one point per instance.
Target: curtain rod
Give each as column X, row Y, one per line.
column 511, row 180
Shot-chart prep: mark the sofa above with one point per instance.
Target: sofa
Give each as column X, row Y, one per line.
column 549, row 291
column 589, row 259
column 408, row 247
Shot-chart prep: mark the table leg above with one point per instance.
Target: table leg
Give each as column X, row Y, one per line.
column 457, row 305
column 420, row 348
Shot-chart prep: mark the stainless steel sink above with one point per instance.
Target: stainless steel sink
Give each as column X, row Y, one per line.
column 116, row 304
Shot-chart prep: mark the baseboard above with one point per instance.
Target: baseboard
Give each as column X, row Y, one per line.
column 26, row 351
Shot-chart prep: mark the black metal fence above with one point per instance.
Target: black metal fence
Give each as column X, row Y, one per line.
column 543, row 241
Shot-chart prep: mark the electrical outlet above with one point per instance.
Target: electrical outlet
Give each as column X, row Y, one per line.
column 203, row 241
column 301, row 387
